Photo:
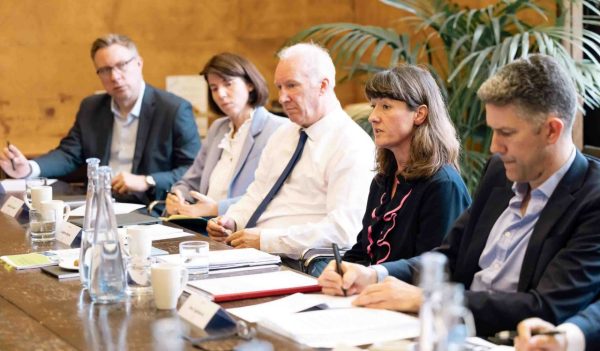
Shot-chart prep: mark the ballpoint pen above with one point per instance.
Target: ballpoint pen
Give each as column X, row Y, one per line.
column 12, row 162
column 338, row 262
column 551, row 332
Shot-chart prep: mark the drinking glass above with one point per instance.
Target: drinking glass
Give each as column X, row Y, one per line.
column 42, row 225
column 194, row 257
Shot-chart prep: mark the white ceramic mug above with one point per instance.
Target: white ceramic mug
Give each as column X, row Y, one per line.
column 139, row 241
column 168, row 281
column 35, row 195
column 61, row 210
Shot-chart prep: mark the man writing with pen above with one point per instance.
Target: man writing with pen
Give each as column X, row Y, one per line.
column 529, row 245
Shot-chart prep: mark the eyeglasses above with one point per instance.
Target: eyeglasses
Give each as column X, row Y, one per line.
column 121, row 67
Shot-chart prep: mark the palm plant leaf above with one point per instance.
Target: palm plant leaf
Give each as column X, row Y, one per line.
column 475, row 44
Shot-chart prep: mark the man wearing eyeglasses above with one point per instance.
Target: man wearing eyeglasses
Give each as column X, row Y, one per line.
column 148, row 136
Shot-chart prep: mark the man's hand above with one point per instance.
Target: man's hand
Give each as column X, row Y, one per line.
column 356, row 278
column 219, row 228
column 391, row 294
column 22, row 167
column 526, row 342
column 204, row 206
column 174, row 200
column 125, row 182
column 245, row 238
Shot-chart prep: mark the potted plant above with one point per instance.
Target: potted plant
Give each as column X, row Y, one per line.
column 463, row 47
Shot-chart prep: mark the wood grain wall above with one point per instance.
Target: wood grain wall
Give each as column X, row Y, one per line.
column 45, row 67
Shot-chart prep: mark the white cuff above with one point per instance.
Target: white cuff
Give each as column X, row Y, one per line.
column 574, row 336
column 35, row 170
column 381, row 271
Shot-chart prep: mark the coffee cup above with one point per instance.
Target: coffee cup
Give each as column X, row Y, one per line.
column 36, row 194
column 168, row 281
column 139, row 241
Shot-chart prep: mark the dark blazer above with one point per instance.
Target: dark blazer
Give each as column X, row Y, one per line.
column 588, row 321
column 415, row 220
column 560, row 274
column 167, row 140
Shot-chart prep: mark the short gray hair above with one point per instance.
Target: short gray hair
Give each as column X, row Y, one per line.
column 536, row 85
column 316, row 60
column 111, row 39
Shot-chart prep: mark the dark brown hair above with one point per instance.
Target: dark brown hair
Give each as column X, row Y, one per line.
column 231, row 65
column 434, row 142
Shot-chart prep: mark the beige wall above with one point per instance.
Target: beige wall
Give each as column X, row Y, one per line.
column 45, row 68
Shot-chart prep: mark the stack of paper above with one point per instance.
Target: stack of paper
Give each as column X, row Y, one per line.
column 348, row 326
column 226, row 259
column 160, row 232
column 256, row 285
column 290, row 304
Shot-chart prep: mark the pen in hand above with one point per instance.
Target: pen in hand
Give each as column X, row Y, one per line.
column 12, row 162
column 338, row 262
column 551, row 332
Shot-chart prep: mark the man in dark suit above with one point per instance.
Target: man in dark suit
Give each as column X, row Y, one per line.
column 579, row 333
column 148, row 136
column 529, row 245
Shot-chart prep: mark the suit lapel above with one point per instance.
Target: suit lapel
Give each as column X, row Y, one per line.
column 258, row 122
column 144, row 125
column 556, row 206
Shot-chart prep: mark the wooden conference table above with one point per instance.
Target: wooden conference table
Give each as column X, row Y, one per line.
column 39, row 312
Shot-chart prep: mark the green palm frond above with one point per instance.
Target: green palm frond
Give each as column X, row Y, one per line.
column 475, row 44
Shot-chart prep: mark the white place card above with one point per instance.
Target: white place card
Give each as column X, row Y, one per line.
column 12, row 206
column 205, row 314
column 68, row 233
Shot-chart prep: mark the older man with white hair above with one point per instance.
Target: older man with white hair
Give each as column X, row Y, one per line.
column 313, row 178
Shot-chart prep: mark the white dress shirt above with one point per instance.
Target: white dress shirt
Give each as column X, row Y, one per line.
column 231, row 146
column 323, row 199
column 574, row 336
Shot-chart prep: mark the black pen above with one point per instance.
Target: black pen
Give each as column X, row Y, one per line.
column 338, row 263
column 12, row 162
column 551, row 332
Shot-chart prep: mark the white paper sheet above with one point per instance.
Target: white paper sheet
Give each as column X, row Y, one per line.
column 226, row 259
column 349, row 326
column 18, row 185
column 119, row 208
column 289, row 304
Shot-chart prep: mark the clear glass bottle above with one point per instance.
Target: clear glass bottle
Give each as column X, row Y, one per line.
column 455, row 319
column 107, row 272
column 88, row 221
column 432, row 278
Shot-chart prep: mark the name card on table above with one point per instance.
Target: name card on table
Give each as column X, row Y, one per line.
column 68, row 232
column 12, row 206
column 205, row 314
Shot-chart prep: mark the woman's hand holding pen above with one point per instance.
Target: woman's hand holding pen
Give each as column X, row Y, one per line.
column 355, row 279
column 219, row 228
column 13, row 162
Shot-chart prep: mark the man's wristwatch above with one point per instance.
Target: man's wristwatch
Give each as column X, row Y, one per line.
column 150, row 181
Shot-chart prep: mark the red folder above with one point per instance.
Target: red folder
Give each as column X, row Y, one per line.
column 266, row 293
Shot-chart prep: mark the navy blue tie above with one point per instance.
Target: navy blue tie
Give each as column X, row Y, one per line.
column 275, row 189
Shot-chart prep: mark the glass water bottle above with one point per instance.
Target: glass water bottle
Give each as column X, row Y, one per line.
column 107, row 272
column 88, row 221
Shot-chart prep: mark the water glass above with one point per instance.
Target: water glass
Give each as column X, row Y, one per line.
column 194, row 257
column 139, row 270
column 42, row 226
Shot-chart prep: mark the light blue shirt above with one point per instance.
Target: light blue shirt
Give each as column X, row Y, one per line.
column 502, row 257
column 124, row 135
